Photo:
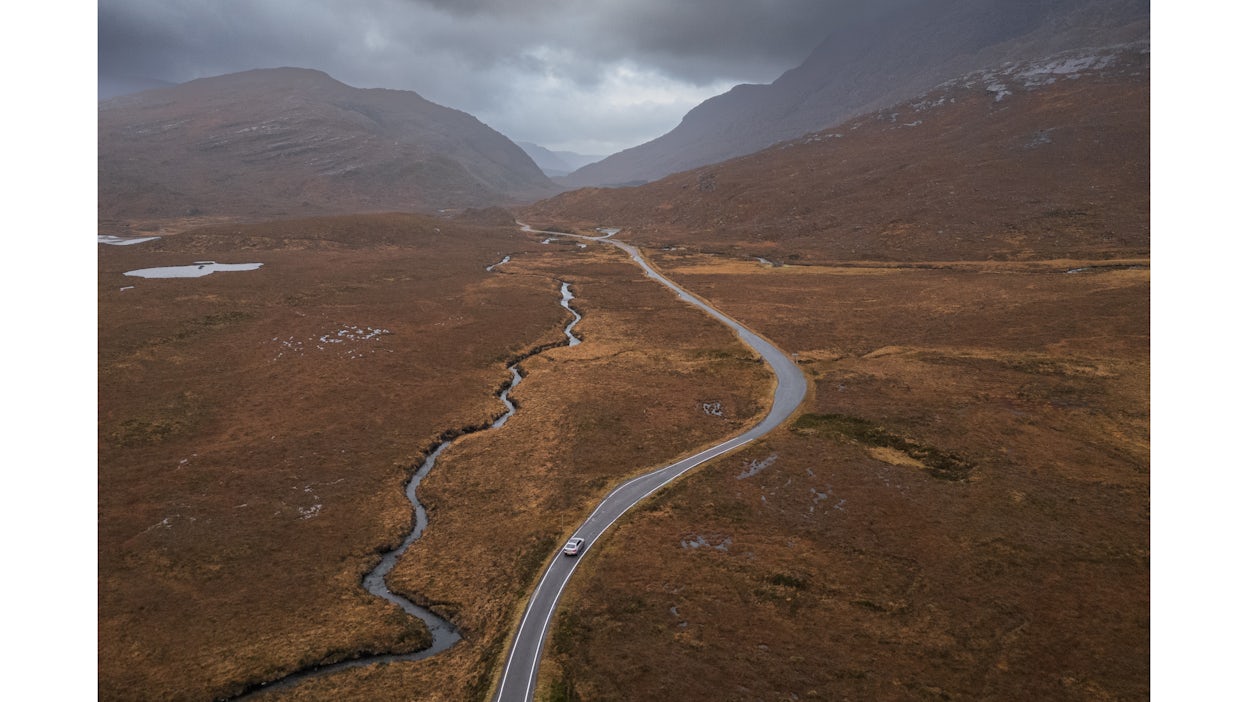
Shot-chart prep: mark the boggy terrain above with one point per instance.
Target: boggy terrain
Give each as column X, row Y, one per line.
column 961, row 512
column 256, row 429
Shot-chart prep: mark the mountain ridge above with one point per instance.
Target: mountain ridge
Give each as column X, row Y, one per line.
column 1023, row 160
column 556, row 163
column 879, row 60
column 295, row 141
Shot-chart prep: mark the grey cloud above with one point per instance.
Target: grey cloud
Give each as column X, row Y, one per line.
column 494, row 58
column 695, row 40
column 500, row 7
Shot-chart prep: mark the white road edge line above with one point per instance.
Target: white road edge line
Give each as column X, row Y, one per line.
column 693, row 461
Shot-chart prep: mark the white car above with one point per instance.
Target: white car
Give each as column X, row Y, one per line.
column 574, row 546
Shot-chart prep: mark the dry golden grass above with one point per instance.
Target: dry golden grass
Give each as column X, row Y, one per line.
column 961, row 513
column 627, row 399
column 247, row 477
column 248, row 471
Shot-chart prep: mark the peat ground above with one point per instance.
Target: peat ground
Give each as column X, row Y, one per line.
column 961, row 513
column 256, row 429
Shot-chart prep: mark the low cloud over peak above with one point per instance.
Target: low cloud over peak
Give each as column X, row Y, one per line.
column 585, row 75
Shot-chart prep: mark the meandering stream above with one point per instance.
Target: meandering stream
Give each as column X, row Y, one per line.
column 444, row 633
column 519, row 677
column 566, row 291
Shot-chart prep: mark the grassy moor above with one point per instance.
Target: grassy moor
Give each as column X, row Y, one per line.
column 962, row 512
column 257, row 428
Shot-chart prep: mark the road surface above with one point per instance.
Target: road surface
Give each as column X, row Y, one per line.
column 520, row 671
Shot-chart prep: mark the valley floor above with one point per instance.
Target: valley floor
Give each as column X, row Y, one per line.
column 962, row 512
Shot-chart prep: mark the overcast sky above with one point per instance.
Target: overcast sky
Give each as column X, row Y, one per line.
column 592, row 76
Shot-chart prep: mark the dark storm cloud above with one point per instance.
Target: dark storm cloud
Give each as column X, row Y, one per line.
column 699, row 41
column 609, row 74
column 504, row 7
column 707, row 40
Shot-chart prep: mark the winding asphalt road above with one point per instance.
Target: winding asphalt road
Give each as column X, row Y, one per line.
column 520, row 673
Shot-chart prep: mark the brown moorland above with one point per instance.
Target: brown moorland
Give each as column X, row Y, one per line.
column 961, row 511
column 256, row 429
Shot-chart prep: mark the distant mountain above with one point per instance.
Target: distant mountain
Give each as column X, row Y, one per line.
column 116, row 86
column 867, row 63
column 1044, row 159
column 292, row 141
column 556, row 163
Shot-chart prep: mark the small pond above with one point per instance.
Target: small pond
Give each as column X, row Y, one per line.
column 198, row 269
column 123, row 240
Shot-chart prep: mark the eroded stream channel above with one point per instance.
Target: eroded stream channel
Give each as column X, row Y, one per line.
column 443, row 632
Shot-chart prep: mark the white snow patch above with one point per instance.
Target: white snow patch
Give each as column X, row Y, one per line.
column 1066, row 66
column 1001, row 90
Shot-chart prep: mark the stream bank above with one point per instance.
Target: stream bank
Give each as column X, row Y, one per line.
column 443, row 632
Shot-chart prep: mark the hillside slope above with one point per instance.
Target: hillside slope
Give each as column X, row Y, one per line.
column 1028, row 160
column 290, row 141
column 869, row 63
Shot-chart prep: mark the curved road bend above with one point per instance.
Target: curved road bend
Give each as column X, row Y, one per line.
column 520, row 673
